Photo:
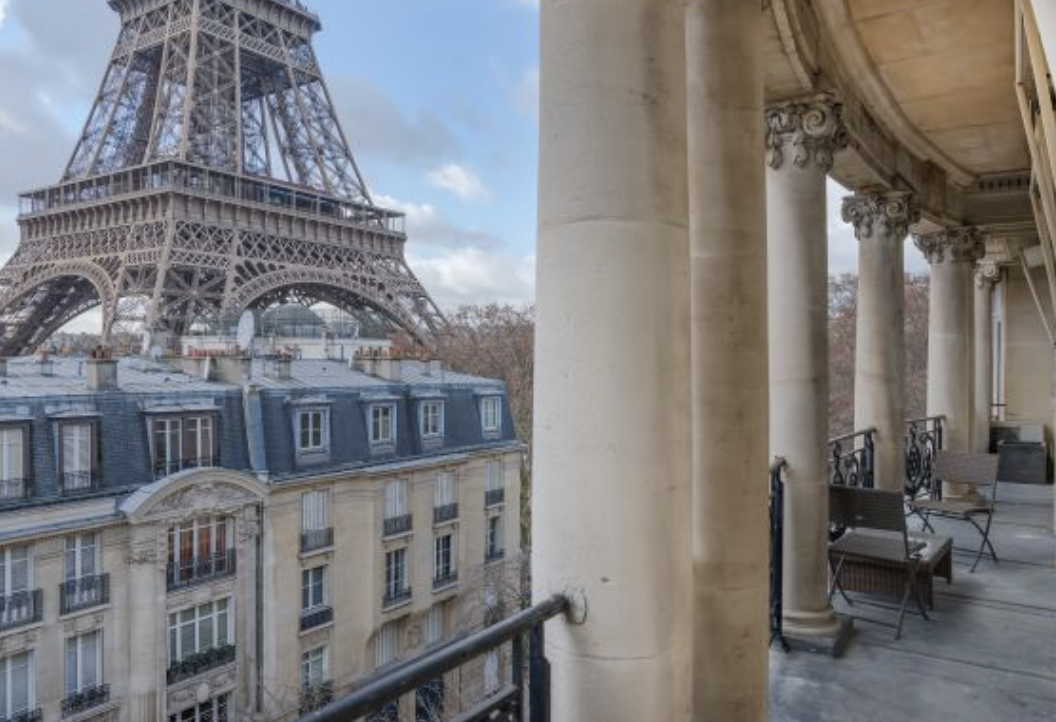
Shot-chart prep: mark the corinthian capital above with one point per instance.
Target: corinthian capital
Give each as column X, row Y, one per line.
column 953, row 244
column 889, row 214
column 987, row 273
column 811, row 129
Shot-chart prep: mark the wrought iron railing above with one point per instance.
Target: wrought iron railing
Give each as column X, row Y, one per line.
column 445, row 513
column 398, row 525
column 777, row 551
column 525, row 699
column 200, row 663
column 84, row 593
column 312, row 539
column 316, row 696
column 445, row 579
column 494, row 497
column 86, row 699
column 852, row 459
column 923, row 441
column 189, row 572
column 15, row 490
column 316, row 618
column 21, row 608
column 396, row 596
column 167, row 467
column 33, row 715
column 73, row 483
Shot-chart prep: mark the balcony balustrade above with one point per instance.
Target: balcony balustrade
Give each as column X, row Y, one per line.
column 74, row 483
column 852, row 459
column 317, row 617
column 188, row 573
column 445, row 580
column 445, row 513
column 316, row 696
column 33, row 715
column 398, row 525
column 21, row 609
column 84, row 593
column 200, row 663
column 494, row 497
column 923, row 441
column 13, row 491
column 88, row 698
column 315, row 539
column 396, row 596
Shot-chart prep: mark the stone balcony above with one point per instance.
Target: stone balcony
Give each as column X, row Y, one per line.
column 988, row 653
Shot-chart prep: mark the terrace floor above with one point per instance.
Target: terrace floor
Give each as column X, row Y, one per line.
column 987, row 655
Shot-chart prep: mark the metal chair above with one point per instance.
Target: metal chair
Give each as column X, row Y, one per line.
column 979, row 473
column 874, row 525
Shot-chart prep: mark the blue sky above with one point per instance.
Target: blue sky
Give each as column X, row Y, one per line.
column 438, row 98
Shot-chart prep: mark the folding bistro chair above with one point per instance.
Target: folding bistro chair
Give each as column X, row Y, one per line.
column 976, row 471
column 874, row 525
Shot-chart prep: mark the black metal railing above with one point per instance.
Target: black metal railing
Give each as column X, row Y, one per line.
column 777, row 551
column 21, row 608
column 316, row 696
column 200, row 663
column 494, row 497
column 188, row 573
column 72, row 483
column 494, row 555
column 923, row 441
column 525, row 698
column 317, row 617
column 852, row 459
column 398, row 524
column 33, row 715
column 84, row 593
column 86, row 699
column 396, row 596
column 167, row 467
column 447, row 512
column 312, row 539
column 445, row 579
column 15, row 490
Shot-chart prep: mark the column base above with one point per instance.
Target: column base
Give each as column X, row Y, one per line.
column 830, row 639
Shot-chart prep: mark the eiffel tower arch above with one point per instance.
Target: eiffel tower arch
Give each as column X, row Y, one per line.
column 212, row 176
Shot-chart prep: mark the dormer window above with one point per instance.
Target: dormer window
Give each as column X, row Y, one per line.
column 491, row 416
column 183, row 442
column 313, row 432
column 383, row 425
column 78, row 463
column 431, row 424
column 14, row 482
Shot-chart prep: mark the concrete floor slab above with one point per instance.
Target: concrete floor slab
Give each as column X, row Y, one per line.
column 987, row 655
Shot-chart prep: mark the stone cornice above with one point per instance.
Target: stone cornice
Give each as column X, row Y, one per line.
column 953, row 244
column 812, row 129
column 889, row 214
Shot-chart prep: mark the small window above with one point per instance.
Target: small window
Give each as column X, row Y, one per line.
column 315, row 512
column 385, row 644
column 15, row 571
column 493, row 545
column 315, row 668
column 396, row 499
column 395, row 574
column 16, row 685
column 383, row 425
column 443, row 558
column 77, row 456
column 82, row 556
column 313, row 588
column 183, row 442
column 13, row 474
column 201, row 548
column 314, row 430
column 432, row 419
column 84, row 663
column 434, row 625
column 491, row 415
column 444, row 490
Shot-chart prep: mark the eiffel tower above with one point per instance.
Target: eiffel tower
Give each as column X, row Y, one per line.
column 212, row 177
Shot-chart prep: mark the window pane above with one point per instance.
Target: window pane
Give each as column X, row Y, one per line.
column 20, row 683
column 71, row 666
column 89, row 660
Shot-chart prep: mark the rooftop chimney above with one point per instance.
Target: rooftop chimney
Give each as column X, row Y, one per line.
column 280, row 367
column 102, row 370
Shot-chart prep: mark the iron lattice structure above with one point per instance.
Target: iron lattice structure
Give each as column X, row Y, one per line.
column 212, row 176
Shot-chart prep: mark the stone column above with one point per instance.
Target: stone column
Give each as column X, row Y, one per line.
column 881, row 224
column 147, row 644
column 951, row 253
column 727, row 176
column 802, row 138
column 612, row 370
column 987, row 274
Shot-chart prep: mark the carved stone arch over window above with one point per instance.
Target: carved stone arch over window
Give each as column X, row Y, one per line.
column 194, row 493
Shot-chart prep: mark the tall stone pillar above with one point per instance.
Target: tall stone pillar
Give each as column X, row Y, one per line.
column 730, row 379
column 147, row 643
column 952, row 253
column 987, row 274
column 802, row 138
column 881, row 224
column 612, row 370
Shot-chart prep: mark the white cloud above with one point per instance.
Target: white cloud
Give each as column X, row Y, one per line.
column 472, row 275
column 3, row 12
column 460, row 180
column 534, row 4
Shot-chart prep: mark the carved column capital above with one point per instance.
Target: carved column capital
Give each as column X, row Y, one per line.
column 987, row 273
column 812, row 129
column 954, row 244
column 889, row 214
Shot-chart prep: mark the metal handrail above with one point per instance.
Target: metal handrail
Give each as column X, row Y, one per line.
column 855, row 466
column 777, row 550
column 852, row 435
column 400, row 680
